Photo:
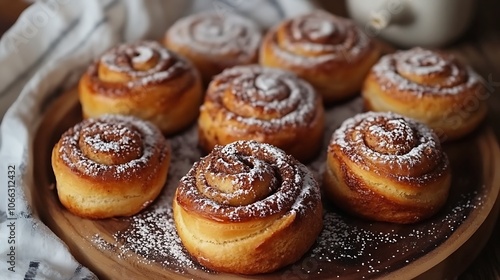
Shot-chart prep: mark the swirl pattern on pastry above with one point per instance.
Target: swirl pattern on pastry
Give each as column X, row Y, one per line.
column 145, row 80
column 214, row 41
column 328, row 51
column 432, row 87
column 386, row 167
column 247, row 208
column 263, row 104
column 110, row 166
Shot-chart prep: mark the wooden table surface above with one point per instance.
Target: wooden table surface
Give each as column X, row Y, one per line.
column 480, row 47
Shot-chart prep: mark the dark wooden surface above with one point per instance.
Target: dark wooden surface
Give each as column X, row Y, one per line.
column 480, row 47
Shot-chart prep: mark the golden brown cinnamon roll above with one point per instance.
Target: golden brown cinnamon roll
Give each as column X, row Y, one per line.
column 328, row 51
column 215, row 41
column 144, row 80
column 432, row 87
column 385, row 167
column 263, row 104
column 247, row 208
column 110, row 166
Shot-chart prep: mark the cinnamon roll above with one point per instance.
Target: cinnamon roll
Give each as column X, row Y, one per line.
column 110, row 166
column 328, row 51
column 385, row 167
column 247, row 208
column 432, row 87
column 144, row 80
column 268, row 105
column 215, row 41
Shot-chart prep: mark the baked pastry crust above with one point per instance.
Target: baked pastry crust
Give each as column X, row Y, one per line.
column 263, row 104
column 144, row 80
column 247, row 208
column 110, row 166
column 385, row 167
column 328, row 51
column 429, row 86
column 213, row 41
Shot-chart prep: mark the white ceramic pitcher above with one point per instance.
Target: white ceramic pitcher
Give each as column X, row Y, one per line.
column 427, row 23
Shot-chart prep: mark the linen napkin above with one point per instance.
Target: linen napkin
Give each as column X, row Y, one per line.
column 44, row 53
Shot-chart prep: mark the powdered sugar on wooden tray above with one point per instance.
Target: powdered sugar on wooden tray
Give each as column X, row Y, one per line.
column 374, row 248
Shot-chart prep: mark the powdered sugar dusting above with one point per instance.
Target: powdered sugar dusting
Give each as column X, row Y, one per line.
column 134, row 143
column 424, row 63
column 131, row 59
column 375, row 249
column 397, row 70
column 318, row 38
column 160, row 239
column 314, row 28
column 143, row 54
column 262, row 98
column 295, row 184
column 409, row 148
column 227, row 35
column 122, row 142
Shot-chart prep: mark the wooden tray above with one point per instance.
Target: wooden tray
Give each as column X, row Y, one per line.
column 348, row 248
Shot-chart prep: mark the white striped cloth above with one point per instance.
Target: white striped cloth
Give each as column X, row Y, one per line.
column 45, row 52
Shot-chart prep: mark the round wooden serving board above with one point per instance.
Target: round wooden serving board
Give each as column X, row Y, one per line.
column 146, row 246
